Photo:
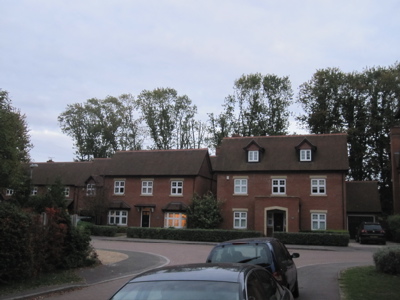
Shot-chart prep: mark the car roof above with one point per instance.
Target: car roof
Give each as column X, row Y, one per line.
column 250, row 240
column 227, row 272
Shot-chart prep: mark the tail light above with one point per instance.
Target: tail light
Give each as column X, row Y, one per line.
column 278, row 276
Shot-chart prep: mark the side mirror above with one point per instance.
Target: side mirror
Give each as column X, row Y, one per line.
column 295, row 255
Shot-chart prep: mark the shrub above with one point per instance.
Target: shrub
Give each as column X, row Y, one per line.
column 394, row 227
column 103, row 230
column 204, row 212
column 203, row 235
column 314, row 238
column 387, row 260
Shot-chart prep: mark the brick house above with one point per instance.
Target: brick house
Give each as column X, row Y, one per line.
column 395, row 158
column 270, row 183
column 283, row 183
column 139, row 188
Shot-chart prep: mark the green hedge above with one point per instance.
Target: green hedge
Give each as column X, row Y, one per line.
column 103, row 230
column 203, row 235
column 314, row 238
column 387, row 260
column 394, row 227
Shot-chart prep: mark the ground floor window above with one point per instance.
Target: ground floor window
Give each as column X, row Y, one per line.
column 239, row 220
column 118, row 217
column 318, row 221
column 175, row 219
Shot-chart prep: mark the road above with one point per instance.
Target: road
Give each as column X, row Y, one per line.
column 318, row 269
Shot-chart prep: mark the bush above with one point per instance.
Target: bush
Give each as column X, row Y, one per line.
column 394, row 227
column 203, row 235
column 314, row 238
column 29, row 248
column 387, row 260
column 103, row 230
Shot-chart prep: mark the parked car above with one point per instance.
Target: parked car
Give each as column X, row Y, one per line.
column 370, row 232
column 269, row 253
column 204, row 282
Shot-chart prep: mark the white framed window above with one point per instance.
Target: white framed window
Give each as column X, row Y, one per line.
column 239, row 220
column 34, row 191
column 66, row 192
column 177, row 187
column 118, row 217
column 119, row 187
column 305, row 155
column 253, row 156
column 318, row 221
column 90, row 189
column 279, row 186
column 240, row 186
column 147, row 187
column 9, row 192
column 174, row 219
column 318, row 186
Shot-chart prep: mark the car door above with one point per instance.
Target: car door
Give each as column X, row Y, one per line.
column 286, row 264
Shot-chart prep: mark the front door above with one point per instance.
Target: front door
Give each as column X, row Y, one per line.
column 279, row 222
column 145, row 218
column 276, row 221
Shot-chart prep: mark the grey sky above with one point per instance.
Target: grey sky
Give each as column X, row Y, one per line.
column 55, row 53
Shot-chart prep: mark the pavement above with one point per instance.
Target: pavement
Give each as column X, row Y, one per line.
column 120, row 264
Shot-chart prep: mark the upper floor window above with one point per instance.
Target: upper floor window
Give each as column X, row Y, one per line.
column 278, row 186
column 305, row 155
column 147, row 187
column 318, row 186
column 9, row 192
column 119, row 187
column 318, row 221
column 253, row 156
column 66, row 192
column 90, row 189
column 177, row 187
column 239, row 219
column 240, row 186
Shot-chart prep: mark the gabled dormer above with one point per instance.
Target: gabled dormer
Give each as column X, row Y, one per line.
column 253, row 152
column 305, row 151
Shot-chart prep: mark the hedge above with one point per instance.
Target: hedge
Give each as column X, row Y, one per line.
column 314, row 238
column 387, row 260
column 203, row 235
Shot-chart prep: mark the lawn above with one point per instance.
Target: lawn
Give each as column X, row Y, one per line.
column 365, row 283
column 49, row 279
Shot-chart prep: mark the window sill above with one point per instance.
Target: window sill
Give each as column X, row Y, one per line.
column 278, row 195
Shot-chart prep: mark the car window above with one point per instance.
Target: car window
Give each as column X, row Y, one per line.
column 372, row 227
column 244, row 253
column 179, row 290
column 259, row 286
column 281, row 254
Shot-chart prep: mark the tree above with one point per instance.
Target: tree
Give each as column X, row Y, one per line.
column 14, row 143
column 170, row 119
column 102, row 127
column 204, row 212
column 363, row 105
column 258, row 107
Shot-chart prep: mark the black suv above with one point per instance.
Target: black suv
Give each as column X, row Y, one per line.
column 269, row 253
column 370, row 232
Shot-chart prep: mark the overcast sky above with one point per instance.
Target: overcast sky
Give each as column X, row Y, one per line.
column 55, row 53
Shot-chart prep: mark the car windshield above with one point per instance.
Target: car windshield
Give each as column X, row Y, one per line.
column 179, row 290
column 373, row 227
column 242, row 253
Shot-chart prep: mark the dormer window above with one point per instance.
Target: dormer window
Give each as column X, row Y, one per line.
column 253, row 156
column 306, row 151
column 254, row 152
column 305, row 155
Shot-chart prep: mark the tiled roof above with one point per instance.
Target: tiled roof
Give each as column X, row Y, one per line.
column 157, row 162
column 281, row 155
column 363, row 196
column 71, row 173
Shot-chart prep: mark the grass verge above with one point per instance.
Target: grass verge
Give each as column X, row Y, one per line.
column 49, row 279
column 366, row 283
